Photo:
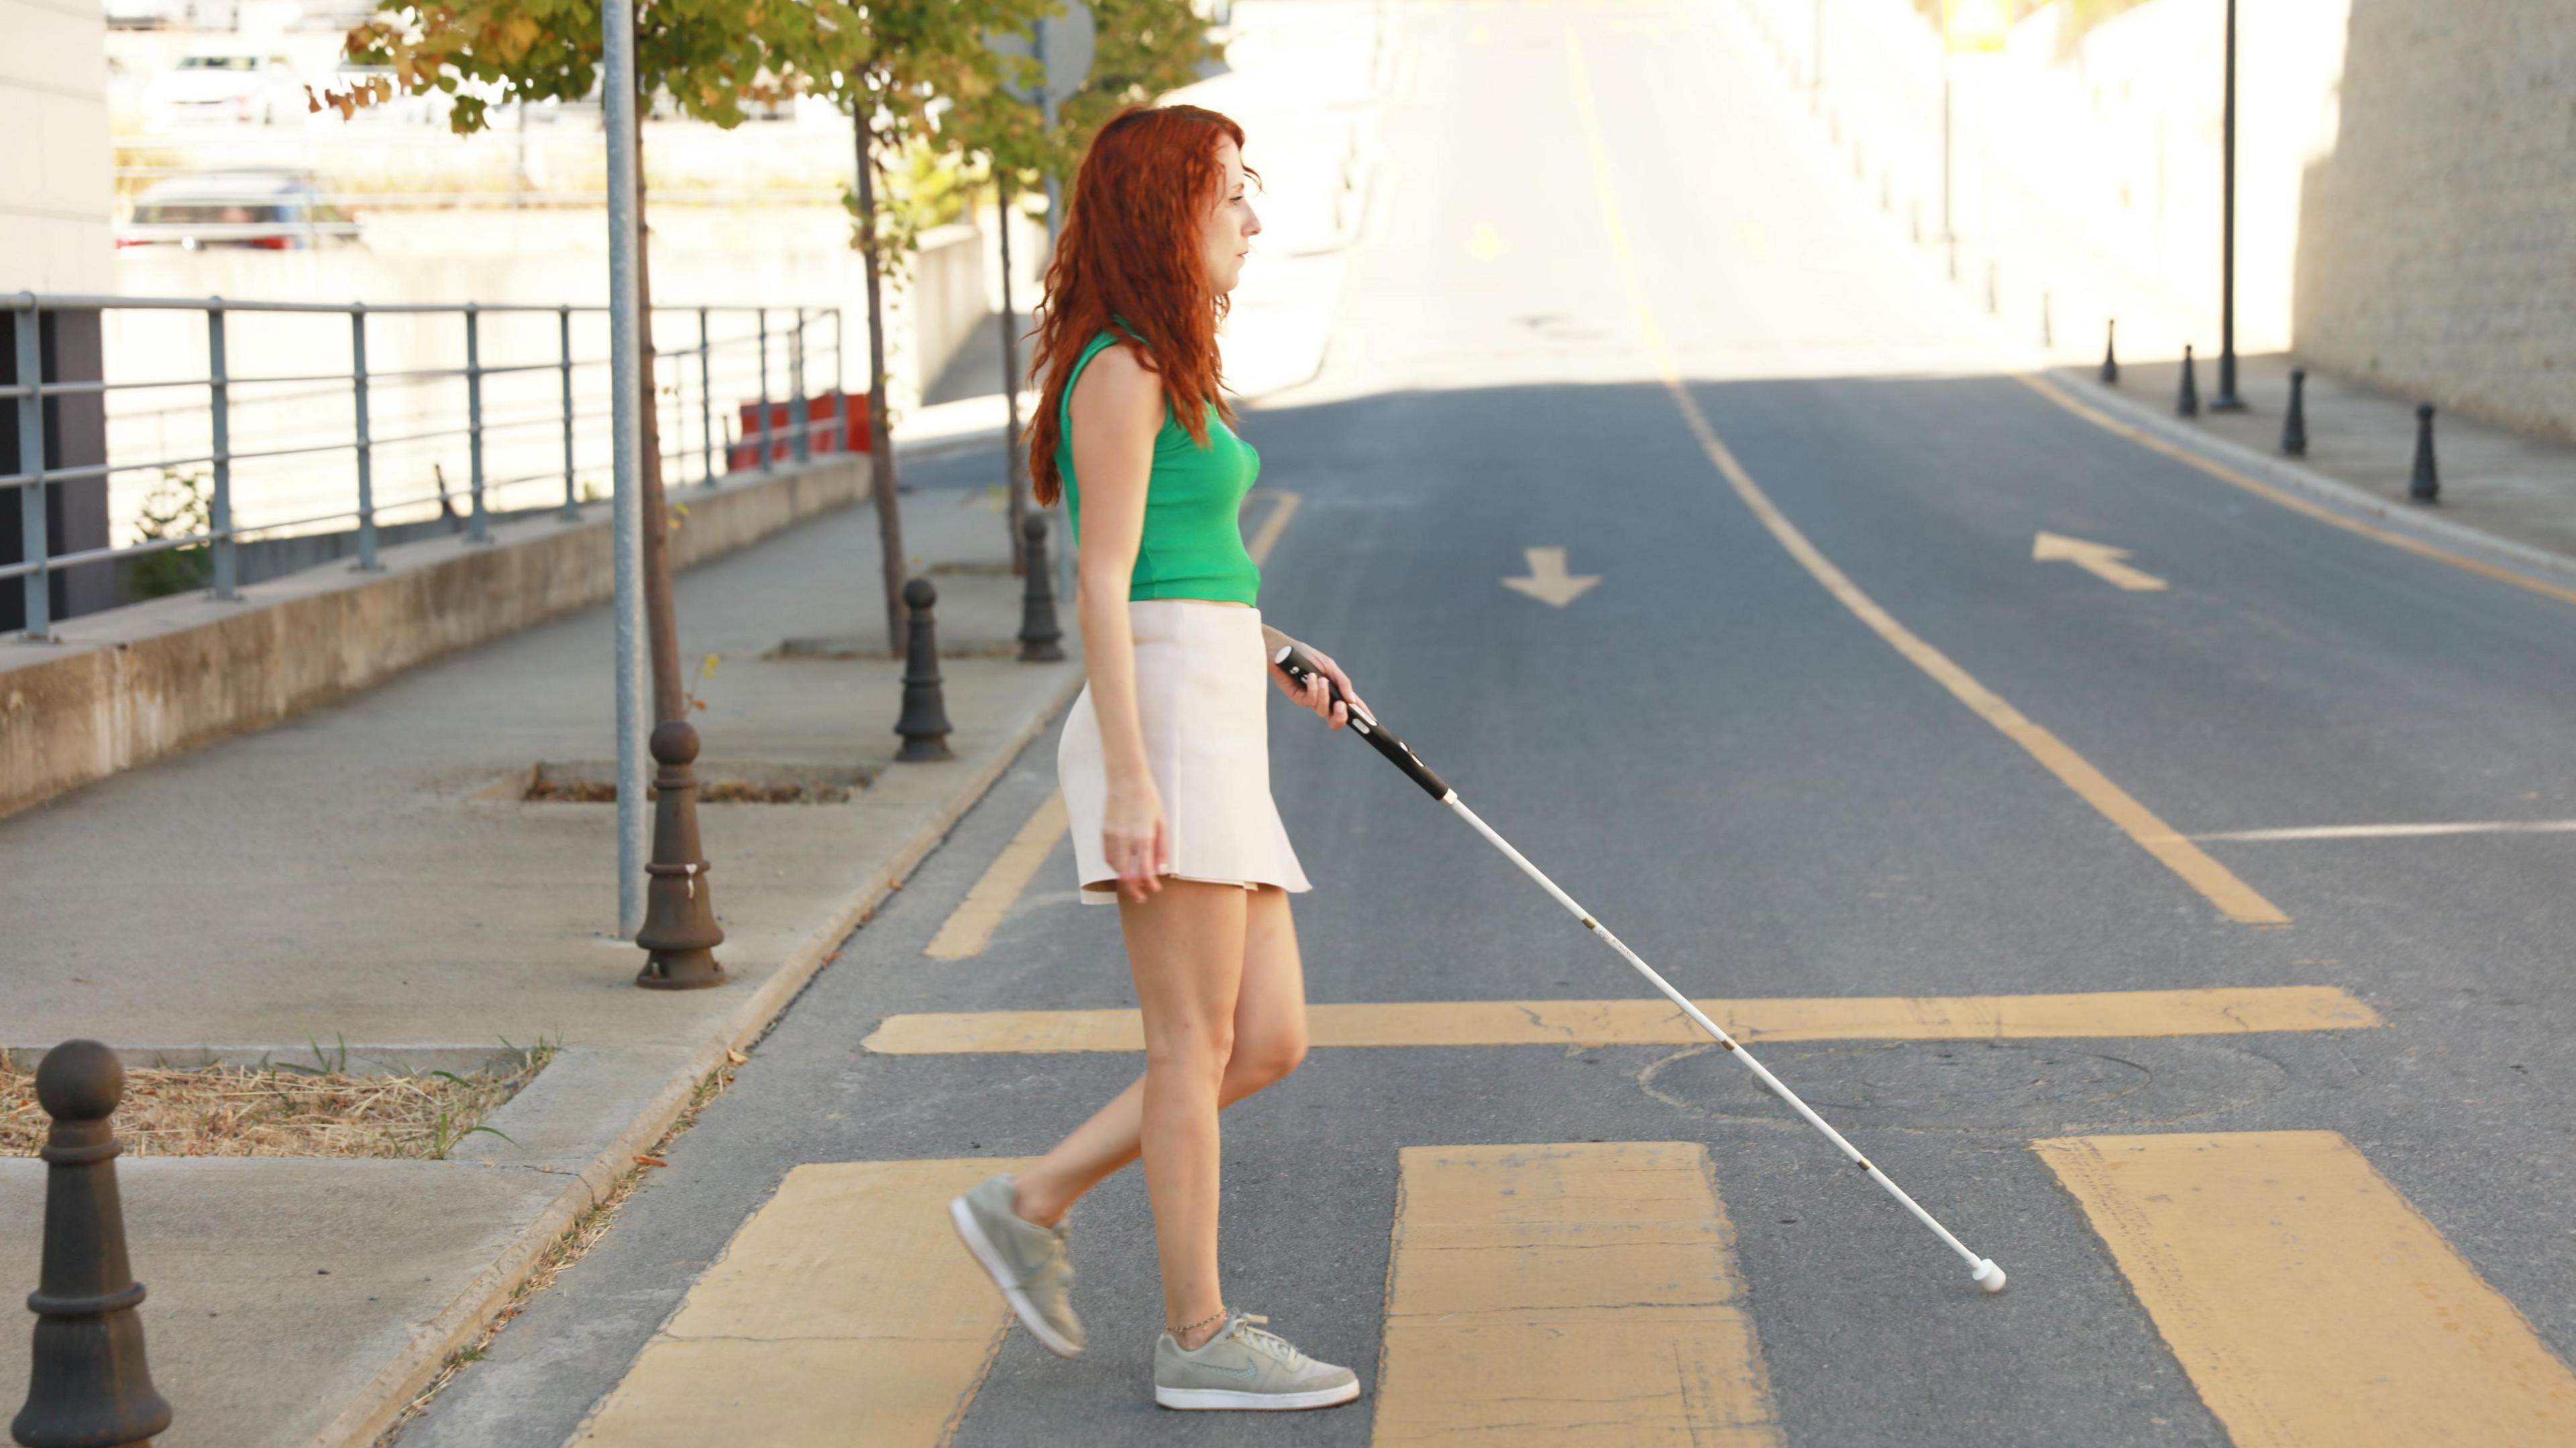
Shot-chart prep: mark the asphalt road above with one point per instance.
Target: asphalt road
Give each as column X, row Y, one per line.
column 1717, row 755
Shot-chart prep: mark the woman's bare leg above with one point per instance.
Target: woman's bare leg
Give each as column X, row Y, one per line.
column 1265, row 1041
column 1269, row 1043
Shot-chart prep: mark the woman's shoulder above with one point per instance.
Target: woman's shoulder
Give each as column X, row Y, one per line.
column 1117, row 386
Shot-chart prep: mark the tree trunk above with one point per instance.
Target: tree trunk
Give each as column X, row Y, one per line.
column 660, row 624
column 880, row 438
column 1017, row 466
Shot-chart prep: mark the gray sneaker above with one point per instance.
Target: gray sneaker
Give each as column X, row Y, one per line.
column 1244, row 1367
column 1029, row 1263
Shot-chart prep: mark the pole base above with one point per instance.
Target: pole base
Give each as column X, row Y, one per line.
column 680, row 970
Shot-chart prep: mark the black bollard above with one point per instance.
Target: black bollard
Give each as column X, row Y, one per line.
column 924, row 725
column 2111, row 352
column 2294, row 423
column 2187, row 402
column 1040, row 638
column 2426, row 485
column 680, row 929
column 91, row 1387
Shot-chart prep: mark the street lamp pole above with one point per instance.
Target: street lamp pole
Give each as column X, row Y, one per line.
column 2227, row 400
column 1949, row 236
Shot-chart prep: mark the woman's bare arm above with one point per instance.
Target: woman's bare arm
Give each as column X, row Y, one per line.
column 1117, row 409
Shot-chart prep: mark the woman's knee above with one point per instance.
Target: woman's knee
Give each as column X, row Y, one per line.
column 1268, row 1055
column 1200, row 1049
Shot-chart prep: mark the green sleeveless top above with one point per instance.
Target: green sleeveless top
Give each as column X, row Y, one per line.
column 1192, row 546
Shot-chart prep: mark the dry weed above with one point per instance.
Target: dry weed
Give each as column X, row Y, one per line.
column 279, row 1110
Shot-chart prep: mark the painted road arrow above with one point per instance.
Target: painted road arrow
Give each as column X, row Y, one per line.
column 2099, row 559
column 1548, row 582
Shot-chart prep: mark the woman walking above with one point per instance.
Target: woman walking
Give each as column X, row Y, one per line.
column 1165, row 760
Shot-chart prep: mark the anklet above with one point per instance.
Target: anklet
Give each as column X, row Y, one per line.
column 1187, row 1328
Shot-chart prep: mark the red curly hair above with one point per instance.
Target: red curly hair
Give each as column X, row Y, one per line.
column 1130, row 249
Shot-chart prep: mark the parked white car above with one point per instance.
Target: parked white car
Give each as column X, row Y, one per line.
column 146, row 14
column 226, row 83
column 268, row 210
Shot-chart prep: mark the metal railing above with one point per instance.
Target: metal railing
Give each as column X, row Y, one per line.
column 295, row 449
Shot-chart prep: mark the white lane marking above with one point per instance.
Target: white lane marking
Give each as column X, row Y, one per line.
column 1548, row 582
column 2395, row 832
column 2099, row 559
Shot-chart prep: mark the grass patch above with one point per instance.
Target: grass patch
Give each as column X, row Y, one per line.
column 283, row 1110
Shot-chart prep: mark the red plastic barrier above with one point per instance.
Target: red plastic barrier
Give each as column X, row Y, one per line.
column 825, row 413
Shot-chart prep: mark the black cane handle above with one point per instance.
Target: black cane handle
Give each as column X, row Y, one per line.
column 1300, row 669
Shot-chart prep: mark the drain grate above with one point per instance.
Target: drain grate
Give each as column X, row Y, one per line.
column 852, row 646
column 595, row 782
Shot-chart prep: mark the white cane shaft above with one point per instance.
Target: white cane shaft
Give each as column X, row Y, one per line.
column 1689, row 1008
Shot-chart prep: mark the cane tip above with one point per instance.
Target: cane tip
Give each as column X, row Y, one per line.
column 1988, row 1275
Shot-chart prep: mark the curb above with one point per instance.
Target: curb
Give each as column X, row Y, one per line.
column 2331, row 491
column 391, row 1390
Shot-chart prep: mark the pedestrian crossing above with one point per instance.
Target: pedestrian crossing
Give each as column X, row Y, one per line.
column 1570, row 1294
column 2209, row 1011
column 843, row 1312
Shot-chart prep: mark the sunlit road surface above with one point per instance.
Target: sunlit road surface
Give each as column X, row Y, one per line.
column 2125, row 925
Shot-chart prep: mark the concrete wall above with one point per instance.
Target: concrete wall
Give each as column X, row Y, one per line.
column 946, row 296
column 54, row 188
column 2437, row 238
column 55, row 198
column 130, row 685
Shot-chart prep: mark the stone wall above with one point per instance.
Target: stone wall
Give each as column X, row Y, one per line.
column 2437, row 240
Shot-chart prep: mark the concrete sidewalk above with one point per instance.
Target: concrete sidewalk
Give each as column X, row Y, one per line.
column 368, row 872
column 2501, row 490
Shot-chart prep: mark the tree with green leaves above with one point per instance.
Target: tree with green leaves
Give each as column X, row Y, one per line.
column 925, row 79
column 902, row 68
column 711, row 57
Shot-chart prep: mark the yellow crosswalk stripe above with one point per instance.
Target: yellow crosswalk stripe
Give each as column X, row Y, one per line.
column 2216, row 1011
column 843, row 1313
column 1564, row 1296
column 2309, row 1301
column 969, row 928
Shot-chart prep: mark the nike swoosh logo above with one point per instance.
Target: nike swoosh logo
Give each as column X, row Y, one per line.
column 1247, row 1372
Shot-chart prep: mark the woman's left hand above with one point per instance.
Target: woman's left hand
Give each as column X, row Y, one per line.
column 1314, row 695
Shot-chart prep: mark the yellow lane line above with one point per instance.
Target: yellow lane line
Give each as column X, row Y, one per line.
column 969, row 927
column 843, row 1312
column 2308, row 1299
column 1567, row 1296
column 2049, row 389
column 2100, row 1015
column 2233, row 897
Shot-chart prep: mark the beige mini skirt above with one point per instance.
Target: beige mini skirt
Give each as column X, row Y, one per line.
column 1202, row 702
